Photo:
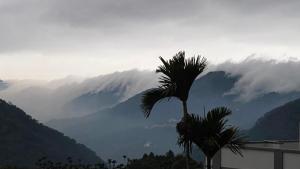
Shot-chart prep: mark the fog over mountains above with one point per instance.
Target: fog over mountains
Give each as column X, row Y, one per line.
column 123, row 128
column 259, row 76
column 73, row 96
column 48, row 100
column 3, row 85
column 73, row 74
column 103, row 112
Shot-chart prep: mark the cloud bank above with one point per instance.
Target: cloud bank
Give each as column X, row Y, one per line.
column 102, row 36
column 260, row 76
column 61, row 24
column 44, row 100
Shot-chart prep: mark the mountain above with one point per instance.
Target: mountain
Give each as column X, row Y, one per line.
column 281, row 123
column 92, row 101
column 3, row 85
column 74, row 97
column 122, row 129
column 24, row 140
column 108, row 91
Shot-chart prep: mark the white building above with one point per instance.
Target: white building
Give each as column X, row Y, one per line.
column 261, row 155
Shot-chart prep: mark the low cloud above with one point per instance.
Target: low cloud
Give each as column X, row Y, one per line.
column 147, row 144
column 171, row 123
column 44, row 100
column 68, row 25
column 260, row 76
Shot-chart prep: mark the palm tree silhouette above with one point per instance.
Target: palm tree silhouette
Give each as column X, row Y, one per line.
column 125, row 157
column 109, row 163
column 114, row 162
column 178, row 75
column 211, row 133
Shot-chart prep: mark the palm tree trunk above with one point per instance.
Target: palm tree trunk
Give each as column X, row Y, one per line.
column 208, row 163
column 185, row 112
column 185, row 116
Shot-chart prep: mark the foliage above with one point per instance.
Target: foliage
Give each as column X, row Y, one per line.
column 211, row 132
column 167, row 161
column 148, row 161
column 178, row 75
column 24, row 140
column 44, row 163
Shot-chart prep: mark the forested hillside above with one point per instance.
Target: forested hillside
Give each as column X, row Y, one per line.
column 24, row 140
column 281, row 123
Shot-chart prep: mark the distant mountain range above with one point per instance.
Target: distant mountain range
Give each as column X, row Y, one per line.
column 3, row 85
column 24, row 140
column 109, row 90
column 74, row 97
column 123, row 129
column 94, row 101
column 104, row 112
column 281, row 123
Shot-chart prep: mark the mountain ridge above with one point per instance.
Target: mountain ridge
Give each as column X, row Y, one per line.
column 283, row 119
column 24, row 140
column 54, row 99
column 207, row 92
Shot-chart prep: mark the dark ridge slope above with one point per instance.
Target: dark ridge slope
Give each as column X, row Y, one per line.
column 281, row 123
column 23, row 140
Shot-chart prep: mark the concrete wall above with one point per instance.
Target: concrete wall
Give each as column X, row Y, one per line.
column 291, row 160
column 252, row 159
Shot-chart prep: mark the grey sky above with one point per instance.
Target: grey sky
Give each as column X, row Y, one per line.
column 55, row 38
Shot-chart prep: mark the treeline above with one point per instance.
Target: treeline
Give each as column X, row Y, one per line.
column 147, row 161
column 167, row 161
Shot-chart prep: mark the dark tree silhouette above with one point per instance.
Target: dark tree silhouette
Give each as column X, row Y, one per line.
column 178, row 75
column 109, row 163
column 45, row 163
column 114, row 162
column 167, row 161
column 125, row 161
column 210, row 133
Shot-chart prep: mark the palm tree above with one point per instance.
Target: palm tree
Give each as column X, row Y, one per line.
column 109, row 163
column 125, row 157
column 178, row 75
column 114, row 162
column 211, row 133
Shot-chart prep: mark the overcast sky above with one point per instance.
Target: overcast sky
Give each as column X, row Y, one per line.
column 46, row 39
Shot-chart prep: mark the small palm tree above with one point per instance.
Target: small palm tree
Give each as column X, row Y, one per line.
column 178, row 75
column 109, row 163
column 114, row 162
column 211, row 133
column 125, row 157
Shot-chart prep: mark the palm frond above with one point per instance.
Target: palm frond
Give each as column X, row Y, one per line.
column 150, row 98
column 179, row 73
column 210, row 133
column 232, row 138
column 218, row 114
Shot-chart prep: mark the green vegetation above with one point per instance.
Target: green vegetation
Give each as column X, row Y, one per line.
column 45, row 163
column 283, row 119
column 210, row 133
column 167, row 161
column 125, row 120
column 148, row 161
column 24, row 140
column 178, row 76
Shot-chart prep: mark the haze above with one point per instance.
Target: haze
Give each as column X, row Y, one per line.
column 55, row 38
